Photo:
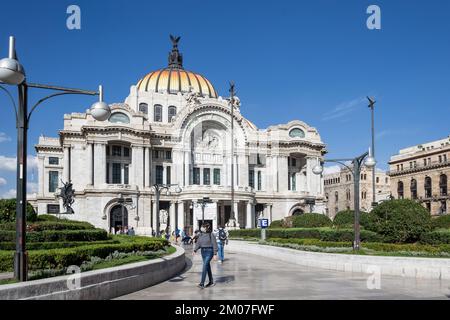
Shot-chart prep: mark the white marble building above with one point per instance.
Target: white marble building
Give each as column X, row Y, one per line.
column 174, row 128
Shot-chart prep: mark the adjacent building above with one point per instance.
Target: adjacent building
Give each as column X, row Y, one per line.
column 421, row 173
column 174, row 128
column 339, row 190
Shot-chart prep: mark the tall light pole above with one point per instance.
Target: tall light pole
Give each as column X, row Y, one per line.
column 232, row 221
column 372, row 107
column 12, row 73
column 356, row 171
column 158, row 188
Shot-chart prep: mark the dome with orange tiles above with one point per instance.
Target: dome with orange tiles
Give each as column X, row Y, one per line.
column 174, row 78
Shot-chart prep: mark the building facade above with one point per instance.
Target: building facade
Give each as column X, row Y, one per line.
column 339, row 190
column 174, row 128
column 421, row 173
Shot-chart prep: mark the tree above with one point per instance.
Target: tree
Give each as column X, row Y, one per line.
column 8, row 211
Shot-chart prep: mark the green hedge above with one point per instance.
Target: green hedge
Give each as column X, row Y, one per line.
column 311, row 220
column 8, row 211
column 48, row 217
column 346, row 218
column 400, row 221
column 436, row 237
column 276, row 224
column 325, row 234
column 441, row 222
column 62, row 258
column 49, row 225
column 51, row 245
column 57, row 235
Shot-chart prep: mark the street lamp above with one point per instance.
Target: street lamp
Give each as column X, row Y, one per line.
column 13, row 73
column 158, row 188
column 203, row 202
column 372, row 108
column 357, row 162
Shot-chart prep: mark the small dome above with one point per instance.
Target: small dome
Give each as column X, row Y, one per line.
column 174, row 78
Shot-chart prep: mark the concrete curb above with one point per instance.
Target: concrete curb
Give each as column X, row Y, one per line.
column 99, row 284
column 419, row 268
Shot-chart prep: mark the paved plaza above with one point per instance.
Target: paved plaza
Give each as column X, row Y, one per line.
column 254, row 277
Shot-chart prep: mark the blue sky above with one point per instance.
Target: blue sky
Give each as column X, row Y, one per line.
column 309, row 60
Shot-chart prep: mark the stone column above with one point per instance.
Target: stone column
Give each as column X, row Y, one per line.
column 181, row 220
column 186, row 168
column 147, row 160
column 250, row 213
column 236, row 212
column 312, row 180
column 90, row 164
column 275, row 173
column 136, row 165
column 41, row 174
column 283, row 173
column 243, row 170
column 154, row 215
column 172, row 215
column 99, row 164
column 66, row 169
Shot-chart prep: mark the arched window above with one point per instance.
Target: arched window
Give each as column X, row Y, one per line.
column 158, row 113
column 172, row 112
column 348, row 195
column 336, row 196
column 143, row 107
column 400, row 191
column 428, row 187
column 119, row 117
column 443, row 184
column 413, row 189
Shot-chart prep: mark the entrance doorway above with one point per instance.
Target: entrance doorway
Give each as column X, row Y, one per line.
column 118, row 218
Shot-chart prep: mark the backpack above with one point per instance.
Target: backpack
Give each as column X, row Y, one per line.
column 222, row 235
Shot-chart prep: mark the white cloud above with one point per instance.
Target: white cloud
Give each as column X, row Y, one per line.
column 8, row 194
column 332, row 169
column 4, row 137
column 343, row 109
column 10, row 163
column 2, row 182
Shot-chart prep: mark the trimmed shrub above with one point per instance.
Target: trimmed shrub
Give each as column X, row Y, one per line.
column 8, row 211
column 47, row 217
column 62, row 258
column 51, row 245
column 400, row 221
column 58, row 235
column 324, row 234
column 436, row 237
column 276, row 224
column 50, row 225
column 346, row 219
column 441, row 222
column 311, row 220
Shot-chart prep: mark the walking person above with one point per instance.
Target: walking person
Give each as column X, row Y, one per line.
column 221, row 235
column 208, row 245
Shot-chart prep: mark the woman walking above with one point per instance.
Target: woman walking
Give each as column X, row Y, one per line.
column 208, row 245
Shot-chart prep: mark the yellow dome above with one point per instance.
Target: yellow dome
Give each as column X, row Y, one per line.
column 174, row 80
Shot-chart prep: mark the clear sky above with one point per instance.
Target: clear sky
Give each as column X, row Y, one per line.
column 309, row 60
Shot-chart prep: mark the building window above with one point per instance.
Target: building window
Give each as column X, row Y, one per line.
column 116, row 151
column 168, row 173
column 259, row 180
column 378, row 179
column 413, row 189
column 206, row 176
column 159, row 174
column 297, row 133
column 168, row 155
column 53, row 160
column 126, row 152
column 52, row 181
column 116, row 173
column 196, row 176
column 443, row 208
column 293, row 162
column 143, row 107
column 126, row 172
column 172, row 112
column 428, row 206
column 156, row 154
column 107, row 150
column 348, row 195
column 158, row 113
column 251, row 178
column 400, row 190
column 443, row 184
column 336, row 197
column 53, row 208
column 428, row 187
column 217, row 176
column 119, row 117
column 294, row 184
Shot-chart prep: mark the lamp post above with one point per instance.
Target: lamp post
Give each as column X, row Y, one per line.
column 372, row 107
column 158, row 188
column 12, row 73
column 232, row 221
column 203, row 202
column 357, row 162
column 123, row 203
